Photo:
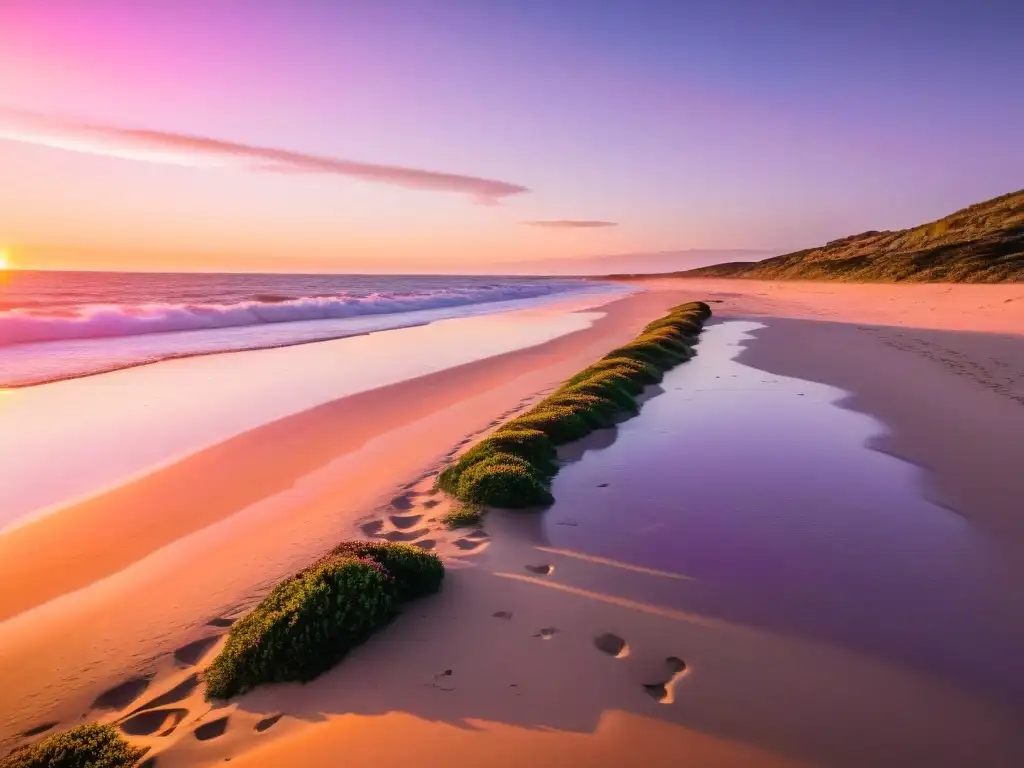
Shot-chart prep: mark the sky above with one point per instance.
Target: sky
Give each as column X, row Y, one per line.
column 459, row 135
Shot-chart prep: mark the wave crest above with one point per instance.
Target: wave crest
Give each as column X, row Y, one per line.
column 94, row 321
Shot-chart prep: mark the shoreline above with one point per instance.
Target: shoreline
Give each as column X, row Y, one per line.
column 598, row 717
column 287, row 530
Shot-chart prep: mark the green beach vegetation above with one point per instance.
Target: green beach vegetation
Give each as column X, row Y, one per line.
column 513, row 467
column 463, row 516
column 87, row 746
column 983, row 243
column 309, row 622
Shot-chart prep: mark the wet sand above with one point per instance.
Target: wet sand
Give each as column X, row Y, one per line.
column 563, row 639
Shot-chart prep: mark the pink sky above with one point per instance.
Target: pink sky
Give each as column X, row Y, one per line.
column 332, row 136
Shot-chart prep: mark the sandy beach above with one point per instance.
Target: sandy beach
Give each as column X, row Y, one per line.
column 855, row 605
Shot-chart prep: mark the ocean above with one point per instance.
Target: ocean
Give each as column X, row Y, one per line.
column 59, row 325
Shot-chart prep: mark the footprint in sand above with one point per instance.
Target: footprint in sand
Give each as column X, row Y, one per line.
column 372, row 528
column 267, row 722
column 154, row 722
column 405, row 536
column 468, row 544
column 404, row 522
column 43, row 728
column 547, row 633
column 191, row 653
column 220, row 621
column 506, row 615
column 611, row 644
column 430, row 503
column 120, row 696
column 540, row 570
column 664, row 693
column 427, row 544
column 212, row 729
column 179, row 692
column 404, row 501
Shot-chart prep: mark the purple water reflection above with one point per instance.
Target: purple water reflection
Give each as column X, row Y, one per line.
column 761, row 488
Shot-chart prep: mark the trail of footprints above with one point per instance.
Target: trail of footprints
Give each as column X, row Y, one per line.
column 662, row 691
column 162, row 714
column 407, row 519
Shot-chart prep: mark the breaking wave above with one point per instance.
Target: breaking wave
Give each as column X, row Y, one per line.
column 95, row 321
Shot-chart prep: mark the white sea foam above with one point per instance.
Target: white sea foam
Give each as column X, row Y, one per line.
column 95, row 321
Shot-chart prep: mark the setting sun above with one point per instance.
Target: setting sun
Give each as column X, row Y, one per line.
column 4, row 261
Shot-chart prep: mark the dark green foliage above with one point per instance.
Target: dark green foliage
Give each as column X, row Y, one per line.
column 505, row 481
column 463, row 516
column 637, row 371
column 607, row 385
column 648, row 350
column 513, row 467
column 416, row 573
column 304, row 626
column 598, row 412
column 530, row 444
column 983, row 243
column 561, row 425
column 87, row 746
column 310, row 621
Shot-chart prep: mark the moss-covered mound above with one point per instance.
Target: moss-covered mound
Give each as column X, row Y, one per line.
column 513, row 467
column 416, row 573
column 309, row 622
column 531, row 445
column 87, row 746
column 506, row 481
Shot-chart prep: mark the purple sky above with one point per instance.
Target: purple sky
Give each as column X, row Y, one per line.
column 296, row 134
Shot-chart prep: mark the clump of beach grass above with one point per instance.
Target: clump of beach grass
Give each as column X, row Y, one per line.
column 87, row 746
column 513, row 468
column 463, row 516
column 310, row 621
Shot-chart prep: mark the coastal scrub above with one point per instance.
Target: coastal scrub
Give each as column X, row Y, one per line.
column 513, row 468
column 310, row 621
column 87, row 746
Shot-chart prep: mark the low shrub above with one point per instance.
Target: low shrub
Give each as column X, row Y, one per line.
column 598, row 412
column 463, row 516
column 561, row 425
column 700, row 309
column 505, row 481
column 87, row 746
column 610, row 386
column 513, row 467
column 647, row 351
column 313, row 619
column 637, row 372
column 416, row 573
column 531, row 445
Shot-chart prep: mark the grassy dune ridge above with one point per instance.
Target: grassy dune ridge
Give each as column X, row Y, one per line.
column 513, row 468
column 983, row 243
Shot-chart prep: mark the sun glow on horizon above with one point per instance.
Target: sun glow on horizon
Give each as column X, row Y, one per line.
column 5, row 262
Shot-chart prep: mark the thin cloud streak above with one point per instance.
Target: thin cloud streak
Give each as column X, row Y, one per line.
column 571, row 224
column 201, row 152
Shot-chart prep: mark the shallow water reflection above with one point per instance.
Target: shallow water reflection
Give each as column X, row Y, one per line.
column 762, row 489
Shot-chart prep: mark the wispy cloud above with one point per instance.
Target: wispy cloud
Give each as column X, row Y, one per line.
column 571, row 224
column 197, row 151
